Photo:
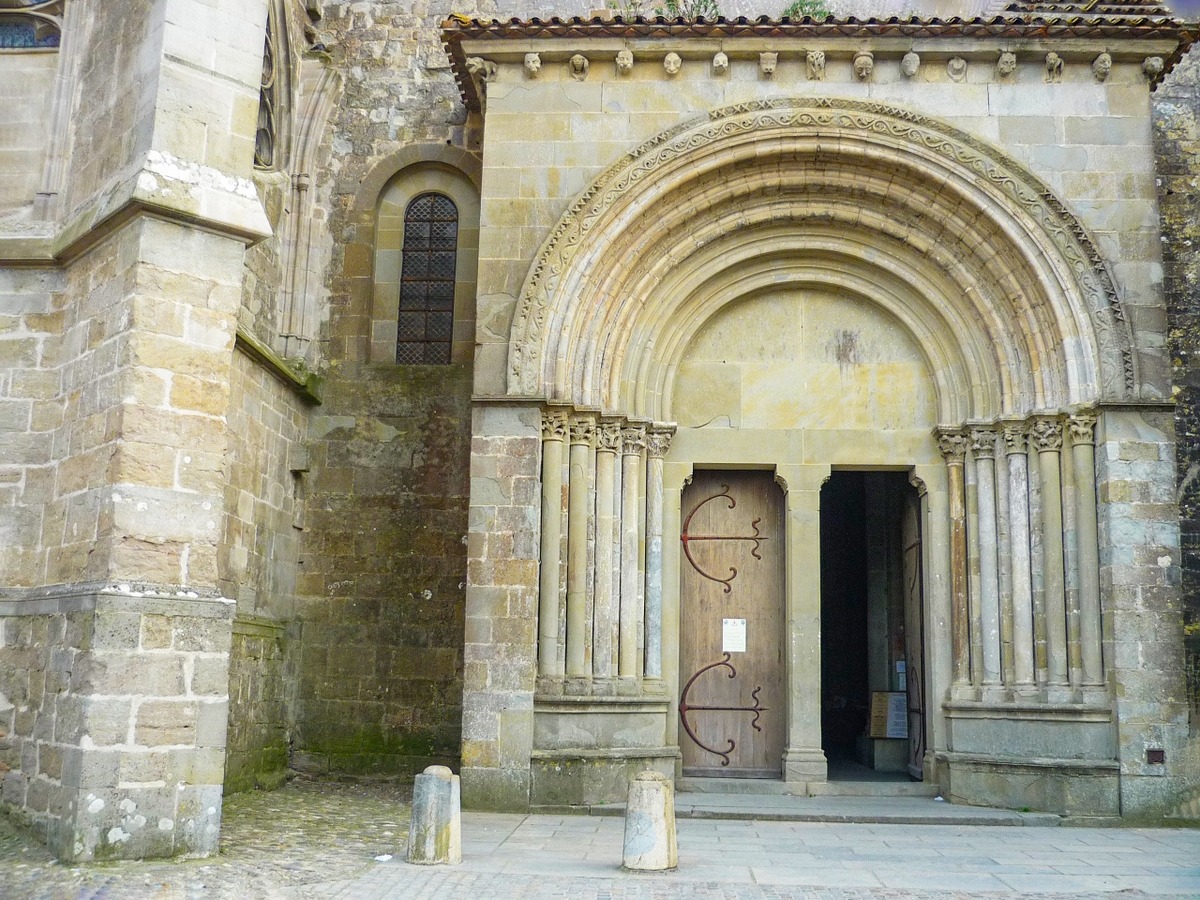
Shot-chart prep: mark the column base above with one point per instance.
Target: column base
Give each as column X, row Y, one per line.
column 805, row 764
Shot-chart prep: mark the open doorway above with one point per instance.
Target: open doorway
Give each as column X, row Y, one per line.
column 871, row 656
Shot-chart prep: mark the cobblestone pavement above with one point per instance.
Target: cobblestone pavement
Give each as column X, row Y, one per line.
column 321, row 840
column 272, row 845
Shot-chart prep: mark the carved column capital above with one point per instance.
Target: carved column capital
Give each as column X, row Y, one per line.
column 1016, row 437
column 953, row 445
column 1047, row 434
column 633, row 440
column 608, row 436
column 554, row 425
column 1083, row 428
column 983, row 442
column 583, row 429
column 658, row 439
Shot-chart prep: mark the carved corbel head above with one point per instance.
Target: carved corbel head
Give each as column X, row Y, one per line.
column 1101, row 66
column 864, row 65
column 533, row 65
column 578, row 66
column 1054, row 67
column 624, row 62
column 910, row 64
column 767, row 63
column 481, row 69
column 672, row 64
column 720, row 64
column 814, row 62
column 1006, row 64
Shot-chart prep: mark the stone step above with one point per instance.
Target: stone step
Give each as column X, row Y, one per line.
column 837, row 788
column 865, row 810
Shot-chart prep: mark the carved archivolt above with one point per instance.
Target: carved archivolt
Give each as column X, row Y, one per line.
column 1059, row 237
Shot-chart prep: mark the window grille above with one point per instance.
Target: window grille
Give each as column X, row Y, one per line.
column 428, row 262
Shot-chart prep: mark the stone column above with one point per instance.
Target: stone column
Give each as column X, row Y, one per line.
column 604, row 616
column 983, row 449
column 1047, row 440
column 583, row 431
column 1004, row 573
column 803, row 759
column 658, row 441
column 953, row 445
column 554, row 435
column 1083, row 461
column 633, row 442
column 1015, row 441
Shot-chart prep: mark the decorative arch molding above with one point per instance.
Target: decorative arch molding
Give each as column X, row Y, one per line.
column 391, row 165
column 1063, row 285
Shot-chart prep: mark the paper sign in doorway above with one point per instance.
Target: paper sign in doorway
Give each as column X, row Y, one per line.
column 733, row 635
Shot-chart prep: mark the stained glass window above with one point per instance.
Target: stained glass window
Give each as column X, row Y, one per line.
column 30, row 24
column 430, row 257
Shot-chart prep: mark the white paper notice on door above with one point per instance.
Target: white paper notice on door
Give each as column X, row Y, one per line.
column 733, row 635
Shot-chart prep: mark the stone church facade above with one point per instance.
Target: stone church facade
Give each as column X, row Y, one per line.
column 560, row 398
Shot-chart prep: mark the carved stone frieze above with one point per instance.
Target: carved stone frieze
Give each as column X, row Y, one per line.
column 814, row 63
column 960, row 150
column 1046, row 434
column 555, row 425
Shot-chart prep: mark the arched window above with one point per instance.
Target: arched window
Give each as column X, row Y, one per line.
column 425, row 244
column 429, row 259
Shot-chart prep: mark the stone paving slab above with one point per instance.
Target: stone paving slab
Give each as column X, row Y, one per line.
column 318, row 841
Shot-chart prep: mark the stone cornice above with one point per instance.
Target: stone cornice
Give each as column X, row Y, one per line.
column 1167, row 36
column 163, row 187
column 306, row 385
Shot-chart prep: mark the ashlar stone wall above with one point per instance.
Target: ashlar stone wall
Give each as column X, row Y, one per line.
column 377, row 651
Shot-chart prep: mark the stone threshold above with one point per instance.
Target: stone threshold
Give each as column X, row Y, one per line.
column 842, row 810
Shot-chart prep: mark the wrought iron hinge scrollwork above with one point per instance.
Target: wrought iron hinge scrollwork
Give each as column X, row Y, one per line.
column 685, row 708
column 686, row 538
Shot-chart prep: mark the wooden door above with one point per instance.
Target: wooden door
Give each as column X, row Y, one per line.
column 914, row 651
column 732, row 704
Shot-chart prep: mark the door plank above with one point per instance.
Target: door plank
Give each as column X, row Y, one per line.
column 732, row 569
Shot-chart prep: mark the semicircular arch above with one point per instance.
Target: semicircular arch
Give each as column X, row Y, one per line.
column 988, row 269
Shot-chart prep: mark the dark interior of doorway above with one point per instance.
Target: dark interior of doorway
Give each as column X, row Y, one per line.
column 846, row 560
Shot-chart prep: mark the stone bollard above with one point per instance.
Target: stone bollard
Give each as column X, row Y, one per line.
column 435, row 834
column 650, row 824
